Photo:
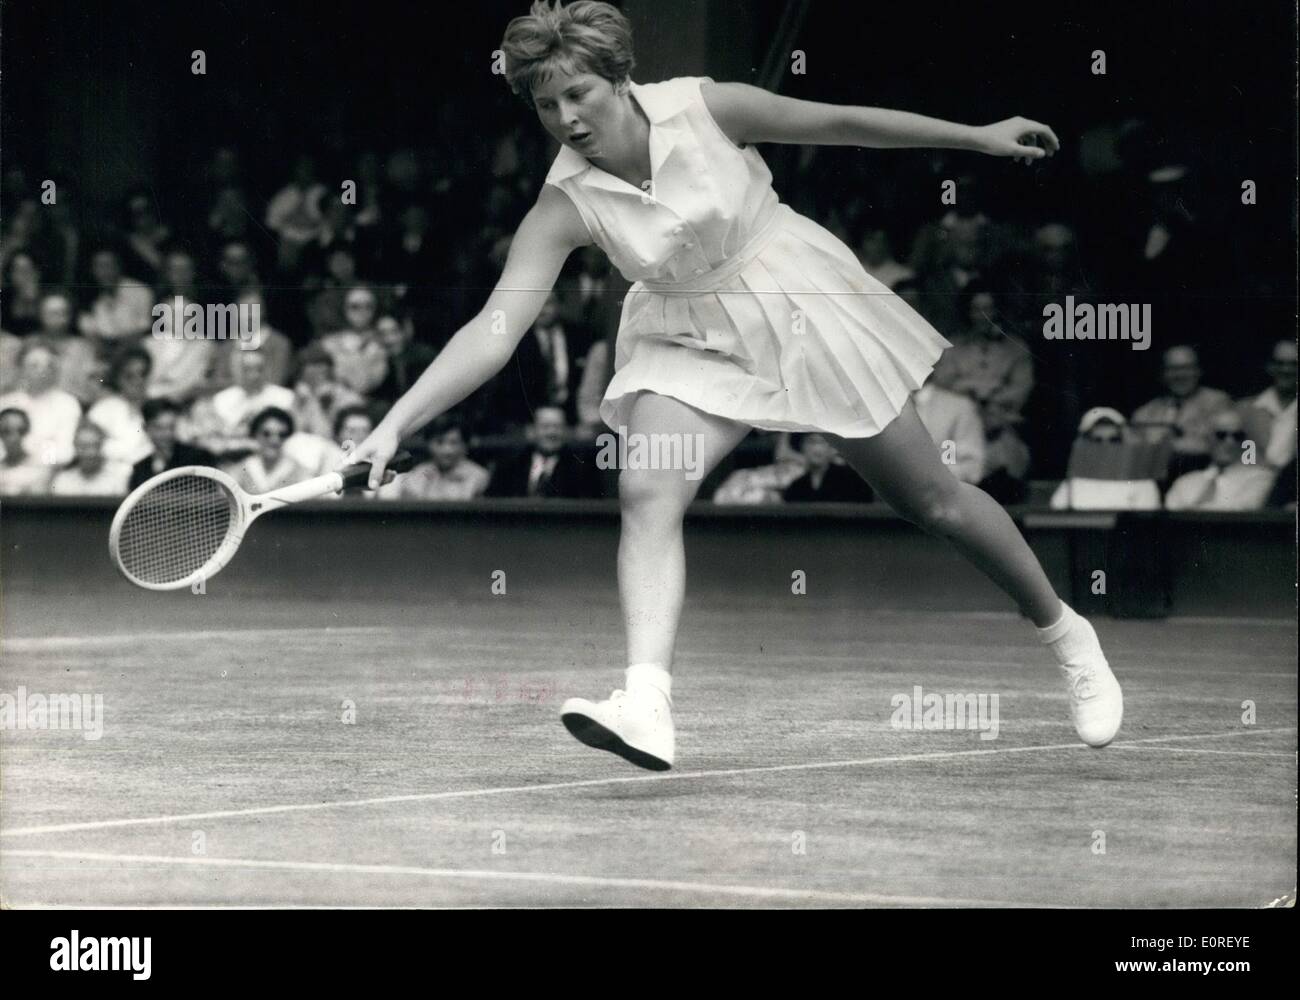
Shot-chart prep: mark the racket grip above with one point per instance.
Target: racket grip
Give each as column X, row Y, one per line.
column 359, row 473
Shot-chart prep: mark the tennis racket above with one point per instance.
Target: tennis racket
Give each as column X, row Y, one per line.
column 185, row 524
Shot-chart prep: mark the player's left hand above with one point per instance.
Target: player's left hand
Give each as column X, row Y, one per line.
column 1023, row 139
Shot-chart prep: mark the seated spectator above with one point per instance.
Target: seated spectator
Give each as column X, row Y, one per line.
column 827, row 480
column 877, row 257
column 548, row 467
column 326, row 293
column 181, row 365
column 91, row 473
column 407, row 359
column 146, row 235
column 122, row 308
column 269, row 468
column 954, row 424
column 21, row 472
column 160, row 421
column 295, row 212
column 235, row 406
column 21, row 302
column 1278, row 404
column 1006, row 457
column 360, row 361
column 449, row 475
column 1228, row 482
column 1183, row 415
column 764, row 483
column 541, row 372
column 276, row 348
column 120, row 413
column 78, row 364
column 1109, row 470
column 987, row 362
column 352, row 426
column 52, row 414
column 317, row 396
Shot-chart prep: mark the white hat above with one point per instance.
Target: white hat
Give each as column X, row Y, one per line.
column 1099, row 413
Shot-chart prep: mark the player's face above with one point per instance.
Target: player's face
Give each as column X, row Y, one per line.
column 580, row 110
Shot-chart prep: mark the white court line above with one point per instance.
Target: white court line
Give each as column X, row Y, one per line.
column 30, row 644
column 1231, row 753
column 594, row 881
column 30, row 831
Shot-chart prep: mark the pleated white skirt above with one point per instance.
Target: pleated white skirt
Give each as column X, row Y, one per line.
column 788, row 334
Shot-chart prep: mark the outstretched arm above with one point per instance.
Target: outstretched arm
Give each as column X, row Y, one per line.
column 551, row 230
column 751, row 114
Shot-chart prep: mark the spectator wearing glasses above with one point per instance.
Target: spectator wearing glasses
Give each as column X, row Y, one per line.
column 360, row 361
column 1228, row 482
column 1107, row 428
column 269, row 467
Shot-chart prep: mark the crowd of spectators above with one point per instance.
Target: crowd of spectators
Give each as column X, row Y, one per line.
column 357, row 282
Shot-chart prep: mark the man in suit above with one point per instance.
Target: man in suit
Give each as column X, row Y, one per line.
column 160, row 416
column 548, row 467
column 544, row 371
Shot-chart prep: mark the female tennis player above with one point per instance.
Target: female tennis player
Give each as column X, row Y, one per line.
column 742, row 314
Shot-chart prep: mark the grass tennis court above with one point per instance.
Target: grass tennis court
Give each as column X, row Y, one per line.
column 226, row 774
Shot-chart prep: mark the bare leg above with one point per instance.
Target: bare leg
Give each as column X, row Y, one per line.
column 903, row 467
column 651, row 555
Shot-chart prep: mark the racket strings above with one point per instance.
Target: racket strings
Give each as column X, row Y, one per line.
column 175, row 529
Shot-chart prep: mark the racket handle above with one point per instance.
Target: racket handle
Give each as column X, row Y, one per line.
column 359, row 474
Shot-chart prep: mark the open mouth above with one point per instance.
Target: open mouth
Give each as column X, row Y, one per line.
column 580, row 138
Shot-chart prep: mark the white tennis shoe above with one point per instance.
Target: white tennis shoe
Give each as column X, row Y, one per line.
column 1096, row 700
column 636, row 726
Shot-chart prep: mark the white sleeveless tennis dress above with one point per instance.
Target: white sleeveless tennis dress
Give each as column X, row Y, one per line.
column 740, row 306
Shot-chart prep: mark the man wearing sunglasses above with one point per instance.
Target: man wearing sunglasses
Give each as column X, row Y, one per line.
column 1230, row 482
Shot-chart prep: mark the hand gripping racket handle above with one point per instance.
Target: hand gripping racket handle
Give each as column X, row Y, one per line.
column 359, row 474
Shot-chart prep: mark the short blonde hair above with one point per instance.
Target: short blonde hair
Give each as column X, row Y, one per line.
column 585, row 36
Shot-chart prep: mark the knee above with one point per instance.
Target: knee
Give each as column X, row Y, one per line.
column 651, row 495
column 939, row 511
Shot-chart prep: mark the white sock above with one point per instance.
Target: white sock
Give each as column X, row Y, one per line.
column 643, row 676
column 1071, row 639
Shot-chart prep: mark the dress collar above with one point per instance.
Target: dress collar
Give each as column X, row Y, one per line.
column 660, row 104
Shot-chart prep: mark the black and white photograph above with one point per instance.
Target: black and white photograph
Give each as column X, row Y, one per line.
column 654, row 455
